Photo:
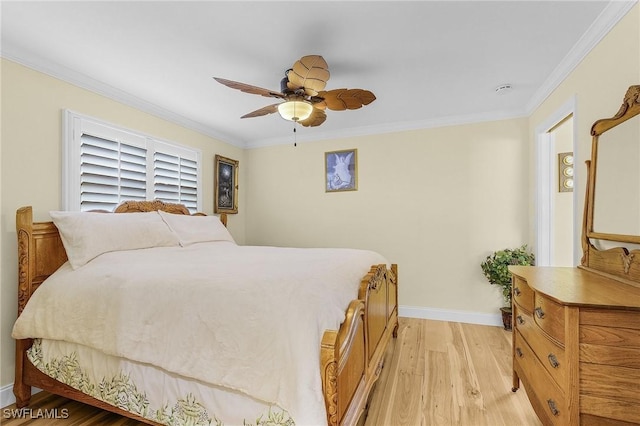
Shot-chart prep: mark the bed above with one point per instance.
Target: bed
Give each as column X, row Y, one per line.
column 303, row 341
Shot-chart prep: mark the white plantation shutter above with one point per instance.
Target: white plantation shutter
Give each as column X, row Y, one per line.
column 175, row 179
column 189, row 183
column 105, row 165
column 110, row 172
column 133, row 169
column 166, row 177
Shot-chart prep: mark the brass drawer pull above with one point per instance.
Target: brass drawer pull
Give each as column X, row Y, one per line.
column 519, row 352
column 517, row 291
column 552, row 407
column 520, row 319
column 539, row 312
column 553, row 361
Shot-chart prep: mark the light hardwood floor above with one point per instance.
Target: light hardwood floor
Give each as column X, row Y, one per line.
column 436, row 373
column 447, row 373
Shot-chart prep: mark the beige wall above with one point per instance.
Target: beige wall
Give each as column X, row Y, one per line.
column 435, row 201
column 598, row 83
column 32, row 105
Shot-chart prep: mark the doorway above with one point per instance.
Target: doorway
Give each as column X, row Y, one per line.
column 555, row 198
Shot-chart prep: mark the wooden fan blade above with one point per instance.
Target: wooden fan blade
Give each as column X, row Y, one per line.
column 316, row 118
column 269, row 109
column 309, row 72
column 247, row 88
column 320, row 105
column 341, row 99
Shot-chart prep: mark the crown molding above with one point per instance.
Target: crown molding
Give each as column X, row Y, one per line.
column 398, row 127
column 83, row 81
column 608, row 18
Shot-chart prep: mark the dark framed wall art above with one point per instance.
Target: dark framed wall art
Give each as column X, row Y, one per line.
column 225, row 183
column 341, row 170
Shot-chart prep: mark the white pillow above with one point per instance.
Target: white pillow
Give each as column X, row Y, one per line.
column 196, row 229
column 86, row 235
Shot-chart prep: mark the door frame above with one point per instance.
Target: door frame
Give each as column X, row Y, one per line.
column 544, row 174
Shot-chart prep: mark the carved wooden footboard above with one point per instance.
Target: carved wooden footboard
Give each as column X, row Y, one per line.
column 351, row 357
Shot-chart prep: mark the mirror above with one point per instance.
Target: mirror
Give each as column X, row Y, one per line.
column 612, row 207
column 611, row 221
column 616, row 203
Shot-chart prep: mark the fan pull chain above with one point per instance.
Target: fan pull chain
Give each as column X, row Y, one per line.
column 295, row 134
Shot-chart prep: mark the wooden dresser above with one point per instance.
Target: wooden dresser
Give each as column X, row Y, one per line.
column 576, row 345
column 576, row 331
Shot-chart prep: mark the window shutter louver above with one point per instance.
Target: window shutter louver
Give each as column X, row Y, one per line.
column 133, row 173
column 175, row 180
column 189, row 184
column 110, row 172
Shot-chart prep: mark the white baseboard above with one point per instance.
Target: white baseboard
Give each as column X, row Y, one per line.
column 449, row 315
column 7, row 397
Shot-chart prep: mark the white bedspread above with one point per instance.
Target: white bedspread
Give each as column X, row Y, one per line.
column 243, row 317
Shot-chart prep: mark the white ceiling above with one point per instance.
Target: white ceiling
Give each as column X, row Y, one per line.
column 429, row 63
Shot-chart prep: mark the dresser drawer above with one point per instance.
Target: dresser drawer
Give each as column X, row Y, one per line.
column 549, row 315
column 610, row 391
column 621, row 319
column 522, row 293
column 551, row 356
column 524, row 323
column 610, row 337
column 549, row 399
column 609, row 346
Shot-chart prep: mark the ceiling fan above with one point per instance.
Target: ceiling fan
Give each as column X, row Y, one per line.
column 302, row 90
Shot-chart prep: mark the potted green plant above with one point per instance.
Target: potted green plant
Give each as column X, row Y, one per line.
column 495, row 268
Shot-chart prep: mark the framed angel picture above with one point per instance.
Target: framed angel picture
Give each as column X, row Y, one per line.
column 225, row 185
column 341, row 170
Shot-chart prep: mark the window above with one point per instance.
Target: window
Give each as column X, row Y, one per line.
column 104, row 165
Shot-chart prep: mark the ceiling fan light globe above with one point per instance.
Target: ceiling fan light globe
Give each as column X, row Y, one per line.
column 295, row 110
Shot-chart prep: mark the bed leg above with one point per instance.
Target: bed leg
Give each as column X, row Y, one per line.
column 21, row 390
column 23, row 394
column 395, row 330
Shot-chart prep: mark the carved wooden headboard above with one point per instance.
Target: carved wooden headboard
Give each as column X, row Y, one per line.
column 40, row 249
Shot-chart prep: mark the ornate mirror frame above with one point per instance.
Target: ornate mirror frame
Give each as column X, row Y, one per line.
column 618, row 262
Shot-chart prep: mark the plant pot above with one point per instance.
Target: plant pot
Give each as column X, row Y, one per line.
column 507, row 320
